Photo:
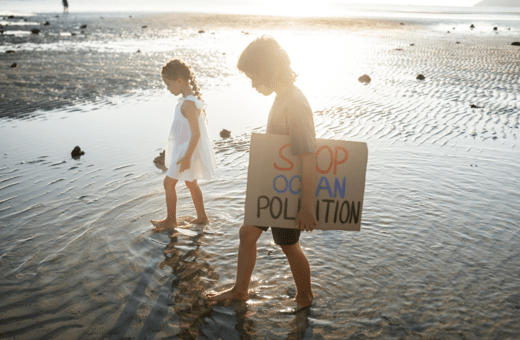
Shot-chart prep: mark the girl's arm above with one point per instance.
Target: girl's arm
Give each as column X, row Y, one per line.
column 190, row 111
column 306, row 218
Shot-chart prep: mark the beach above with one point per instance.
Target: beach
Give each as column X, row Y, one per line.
column 437, row 256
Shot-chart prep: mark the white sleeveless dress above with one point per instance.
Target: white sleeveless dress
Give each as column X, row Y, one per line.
column 203, row 160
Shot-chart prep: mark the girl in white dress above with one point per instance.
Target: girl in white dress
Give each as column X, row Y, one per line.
column 189, row 154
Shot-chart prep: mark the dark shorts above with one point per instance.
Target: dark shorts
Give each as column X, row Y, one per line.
column 283, row 236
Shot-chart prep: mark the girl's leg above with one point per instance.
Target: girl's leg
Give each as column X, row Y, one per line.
column 198, row 201
column 170, row 222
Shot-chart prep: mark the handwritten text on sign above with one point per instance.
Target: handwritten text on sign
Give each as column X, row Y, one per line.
column 274, row 183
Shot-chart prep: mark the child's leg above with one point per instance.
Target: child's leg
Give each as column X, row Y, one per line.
column 198, row 201
column 301, row 271
column 170, row 222
column 246, row 261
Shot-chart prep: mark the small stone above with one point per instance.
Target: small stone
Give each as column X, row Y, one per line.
column 159, row 161
column 202, row 31
column 138, row 51
column 35, row 31
column 10, row 51
column 448, row 31
column 46, row 23
column 472, row 26
column 77, row 153
column 365, row 79
column 225, row 133
column 457, row 42
column 412, row 44
column 83, row 26
column 473, row 106
column 13, row 65
column 495, row 28
column 420, row 77
column 401, row 24
column 144, row 26
column 516, row 43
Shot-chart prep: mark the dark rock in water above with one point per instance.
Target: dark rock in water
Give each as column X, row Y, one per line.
column 401, row 24
column 202, row 31
column 83, row 26
column 495, row 28
column 448, row 31
column 516, row 43
column 10, row 51
column 473, row 106
column 77, row 153
column 159, row 161
column 412, row 44
column 420, row 77
column 458, row 42
column 73, row 34
column 10, row 17
column 472, row 26
column 138, row 51
column 144, row 26
column 225, row 133
column 14, row 65
column 35, row 31
column 398, row 49
column 46, row 23
column 365, row 79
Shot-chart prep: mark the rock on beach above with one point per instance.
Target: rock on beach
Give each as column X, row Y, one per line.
column 365, row 79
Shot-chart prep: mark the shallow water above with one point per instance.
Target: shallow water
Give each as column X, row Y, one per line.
column 437, row 256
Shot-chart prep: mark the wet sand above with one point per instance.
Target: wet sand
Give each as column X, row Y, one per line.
column 437, row 255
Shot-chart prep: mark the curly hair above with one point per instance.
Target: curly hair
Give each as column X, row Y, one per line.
column 178, row 68
column 265, row 58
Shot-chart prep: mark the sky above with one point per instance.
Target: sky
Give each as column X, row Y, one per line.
column 461, row 3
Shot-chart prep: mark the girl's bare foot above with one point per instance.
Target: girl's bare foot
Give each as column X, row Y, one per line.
column 200, row 220
column 162, row 225
column 296, row 305
column 229, row 294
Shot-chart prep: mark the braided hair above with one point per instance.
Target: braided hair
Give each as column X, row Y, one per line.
column 178, row 68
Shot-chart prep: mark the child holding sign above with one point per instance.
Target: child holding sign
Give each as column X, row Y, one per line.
column 267, row 64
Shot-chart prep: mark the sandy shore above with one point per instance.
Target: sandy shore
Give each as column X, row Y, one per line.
column 56, row 69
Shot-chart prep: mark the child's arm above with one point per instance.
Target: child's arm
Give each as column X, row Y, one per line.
column 306, row 218
column 190, row 111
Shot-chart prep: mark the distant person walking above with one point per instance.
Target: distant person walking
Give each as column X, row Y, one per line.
column 65, row 6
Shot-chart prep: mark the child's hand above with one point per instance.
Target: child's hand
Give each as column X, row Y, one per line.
column 185, row 163
column 306, row 220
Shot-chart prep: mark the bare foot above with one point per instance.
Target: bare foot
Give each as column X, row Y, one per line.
column 296, row 305
column 162, row 225
column 200, row 220
column 229, row 294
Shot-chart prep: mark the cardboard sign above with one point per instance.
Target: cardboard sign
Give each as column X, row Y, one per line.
column 273, row 193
